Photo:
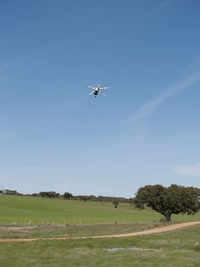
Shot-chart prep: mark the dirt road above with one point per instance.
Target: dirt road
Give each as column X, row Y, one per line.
column 145, row 232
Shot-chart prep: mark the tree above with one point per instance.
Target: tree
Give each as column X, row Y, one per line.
column 68, row 195
column 115, row 203
column 50, row 194
column 85, row 198
column 11, row 192
column 167, row 201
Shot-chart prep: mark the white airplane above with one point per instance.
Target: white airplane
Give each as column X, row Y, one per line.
column 98, row 89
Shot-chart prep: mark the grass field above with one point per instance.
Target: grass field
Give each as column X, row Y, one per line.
column 32, row 231
column 175, row 249
column 23, row 210
column 32, row 216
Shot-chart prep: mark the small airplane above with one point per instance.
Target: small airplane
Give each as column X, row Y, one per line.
column 98, row 89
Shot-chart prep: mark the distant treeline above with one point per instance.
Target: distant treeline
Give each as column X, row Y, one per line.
column 10, row 192
column 69, row 196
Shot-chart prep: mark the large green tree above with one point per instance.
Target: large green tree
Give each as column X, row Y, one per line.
column 169, row 200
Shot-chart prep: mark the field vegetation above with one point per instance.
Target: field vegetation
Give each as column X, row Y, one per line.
column 60, row 230
column 177, row 248
column 36, row 210
column 29, row 217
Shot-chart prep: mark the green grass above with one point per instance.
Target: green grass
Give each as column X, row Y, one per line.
column 178, row 248
column 23, row 210
column 32, row 231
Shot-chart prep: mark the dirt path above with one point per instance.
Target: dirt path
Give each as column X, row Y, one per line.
column 145, row 232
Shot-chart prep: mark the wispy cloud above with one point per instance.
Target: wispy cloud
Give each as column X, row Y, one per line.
column 189, row 170
column 194, row 65
column 150, row 107
column 17, row 67
column 162, row 5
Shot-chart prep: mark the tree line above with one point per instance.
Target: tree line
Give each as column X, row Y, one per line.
column 70, row 196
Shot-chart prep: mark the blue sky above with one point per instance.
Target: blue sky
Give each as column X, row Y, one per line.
column 54, row 136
